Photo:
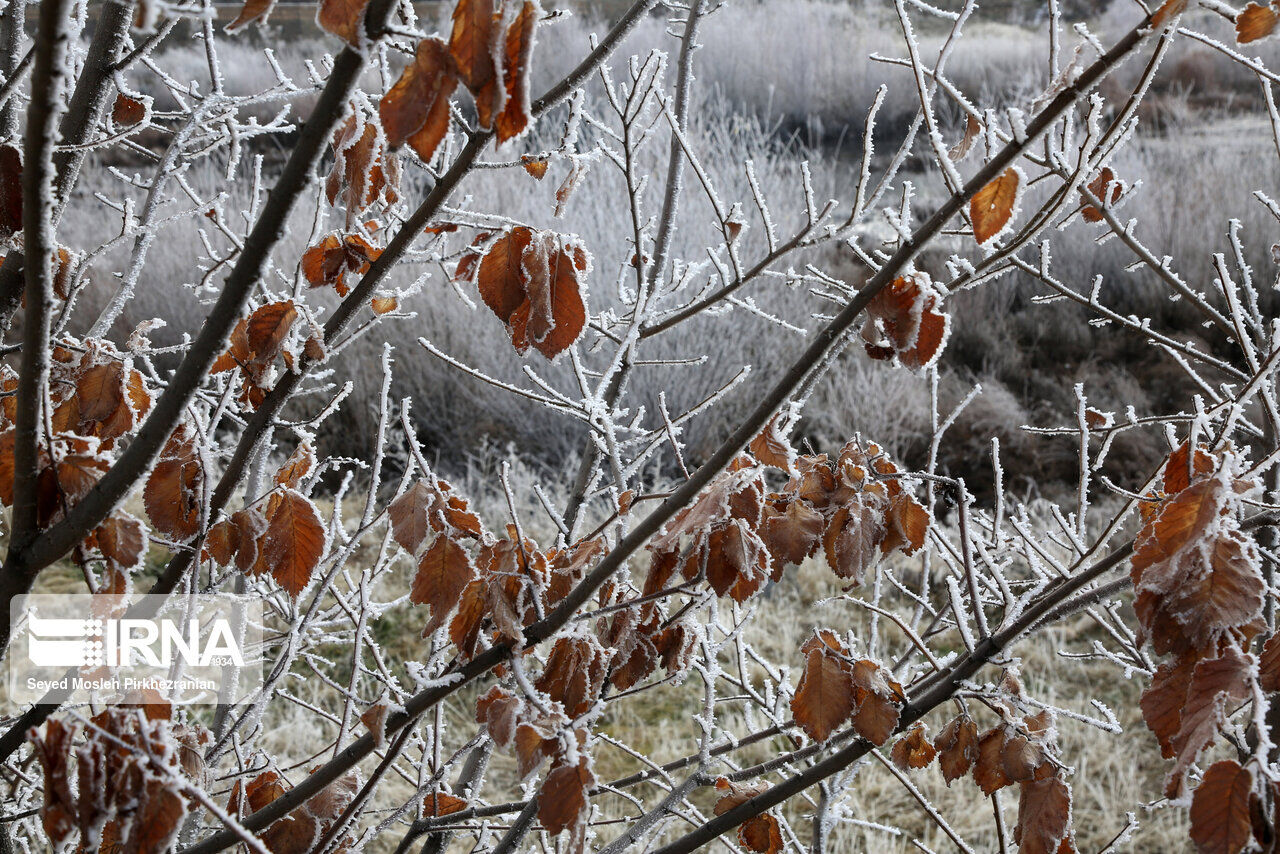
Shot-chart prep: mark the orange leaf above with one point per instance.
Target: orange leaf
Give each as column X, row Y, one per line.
column 1255, row 22
column 1220, row 822
column 533, row 281
column 1167, row 12
column 992, row 207
column 294, row 541
column 535, row 166
column 1098, row 189
column 384, row 305
column 267, row 328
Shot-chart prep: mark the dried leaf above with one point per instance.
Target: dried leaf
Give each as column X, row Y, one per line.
column 1255, row 21
column 172, row 495
column 127, row 112
column 991, row 208
column 1098, row 189
column 516, row 113
column 1044, row 815
column 294, row 541
column 957, row 746
column 913, row 750
column 533, row 282
column 474, row 43
column 343, row 18
column 852, row 537
column 824, row 699
column 1220, row 822
column 562, row 802
column 416, row 108
column 444, row 572
column 959, row 151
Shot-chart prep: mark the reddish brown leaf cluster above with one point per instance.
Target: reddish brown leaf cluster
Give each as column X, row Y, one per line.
column 537, row 734
column 905, row 320
column 281, row 533
column 416, row 109
column 836, row 689
column 97, row 398
column 491, row 44
column 760, row 833
column 255, row 344
column 364, row 173
column 328, row 262
column 534, row 282
column 122, row 787
column 1199, row 596
column 298, row 831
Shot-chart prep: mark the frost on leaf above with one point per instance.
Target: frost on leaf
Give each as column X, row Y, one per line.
column 328, row 263
column 1044, row 814
column 343, row 18
column 444, row 571
column 294, row 541
column 1105, row 188
column 913, row 750
column 252, row 10
column 363, row 171
column 416, row 109
column 760, row 833
column 992, row 208
column 957, row 747
column 533, row 281
column 173, row 492
column 1220, row 812
column 824, row 699
column 1256, row 21
column 516, row 112
column 905, row 321
column 563, row 802
column 574, row 674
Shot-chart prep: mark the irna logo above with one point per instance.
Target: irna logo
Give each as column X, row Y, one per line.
column 93, row 642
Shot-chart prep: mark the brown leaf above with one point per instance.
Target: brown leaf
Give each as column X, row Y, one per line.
column 1044, row 815
column 824, row 699
column 574, row 674
column 101, row 392
column 299, row 464
column 384, row 305
column 957, row 746
column 444, row 572
column 1180, row 471
column 852, row 537
column 533, row 282
column 991, row 208
column 761, row 833
column 439, row 803
column 959, row 151
column 516, row 113
column 1215, row 684
column 172, row 495
column 879, row 701
column 410, row 524
column 1220, row 822
column 416, row 108
column 1167, row 12
column 474, row 43
column 792, row 534
column 562, row 802
column 988, row 767
column 904, row 320
column 737, row 561
column 1255, row 22
column 1269, row 665
column 913, row 750
column 343, row 18
column 253, row 10
column 127, row 112
column 294, row 541
column 1098, row 189
column 122, row 539
column 771, row 446
column 267, row 328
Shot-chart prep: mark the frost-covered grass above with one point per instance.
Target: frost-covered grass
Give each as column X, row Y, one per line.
column 807, row 68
